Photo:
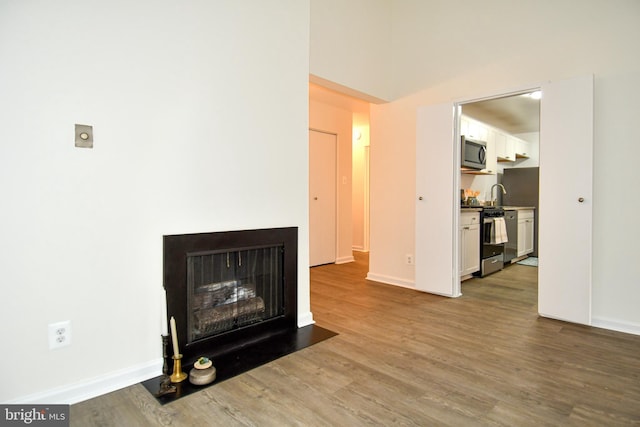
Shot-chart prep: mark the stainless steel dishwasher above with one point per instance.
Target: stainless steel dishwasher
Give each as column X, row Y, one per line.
column 511, row 247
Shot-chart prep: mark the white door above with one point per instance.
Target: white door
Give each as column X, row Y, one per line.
column 322, row 198
column 565, row 218
column 436, row 271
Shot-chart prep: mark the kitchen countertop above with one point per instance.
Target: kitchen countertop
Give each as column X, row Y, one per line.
column 518, row 208
column 468, row 208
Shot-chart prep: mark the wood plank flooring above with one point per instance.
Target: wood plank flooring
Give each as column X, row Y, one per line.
column 413, row 359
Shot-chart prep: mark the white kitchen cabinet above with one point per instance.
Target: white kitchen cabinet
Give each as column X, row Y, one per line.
column 501, row 143
column 523, row 149
column 525, row 232
column 469, row 236
column 501, row 146
column 473, row 129
column 464, row 125
column 492, row 160
column 505, row 147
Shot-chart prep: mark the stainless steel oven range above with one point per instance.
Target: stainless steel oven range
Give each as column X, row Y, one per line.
column 492, row 239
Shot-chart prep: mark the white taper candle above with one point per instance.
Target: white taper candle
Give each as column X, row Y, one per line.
column 164, row 327
column 174, row 337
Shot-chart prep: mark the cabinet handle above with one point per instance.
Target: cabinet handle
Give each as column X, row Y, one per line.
column 465, row 228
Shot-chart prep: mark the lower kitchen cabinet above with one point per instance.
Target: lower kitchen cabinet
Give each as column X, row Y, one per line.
column 525, row 232
column 469, row 243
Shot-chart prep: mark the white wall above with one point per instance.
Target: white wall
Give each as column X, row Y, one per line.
column 182, row 98
column 575, row 33
column 518, row 45
column 351, row 42
column 360, row 159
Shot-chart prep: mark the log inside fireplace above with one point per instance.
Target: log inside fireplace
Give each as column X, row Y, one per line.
column 210, row 319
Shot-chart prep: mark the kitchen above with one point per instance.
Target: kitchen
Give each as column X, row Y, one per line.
column 499, row 184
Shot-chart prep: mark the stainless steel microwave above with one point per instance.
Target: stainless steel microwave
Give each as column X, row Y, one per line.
column 474, row 153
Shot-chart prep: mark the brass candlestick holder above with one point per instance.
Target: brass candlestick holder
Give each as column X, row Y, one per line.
column 177, row 376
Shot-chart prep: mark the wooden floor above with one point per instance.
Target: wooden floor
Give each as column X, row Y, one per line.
column 409, row 358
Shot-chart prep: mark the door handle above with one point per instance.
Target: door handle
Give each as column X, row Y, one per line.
column 581, row 199
column 315, row 198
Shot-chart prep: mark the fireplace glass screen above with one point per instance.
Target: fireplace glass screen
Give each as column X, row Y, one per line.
column 229, row 290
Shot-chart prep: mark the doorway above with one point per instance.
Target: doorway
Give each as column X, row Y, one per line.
column 510, row 128
column 565, row 241
column 347, row 118
column 322, row 197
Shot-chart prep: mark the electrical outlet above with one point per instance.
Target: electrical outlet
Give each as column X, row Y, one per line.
column 410, row 259
column 59, row 334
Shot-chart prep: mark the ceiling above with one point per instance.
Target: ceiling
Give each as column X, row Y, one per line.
column 514, row 114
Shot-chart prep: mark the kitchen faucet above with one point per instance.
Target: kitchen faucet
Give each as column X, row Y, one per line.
column 494, row 201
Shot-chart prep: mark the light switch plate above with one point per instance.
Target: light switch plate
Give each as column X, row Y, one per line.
column 84, row 136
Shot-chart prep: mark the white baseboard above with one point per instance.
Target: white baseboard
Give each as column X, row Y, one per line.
column 389, row 280
column 305, row 319
column 345, row 259
column 616, row 325
column 93, row 387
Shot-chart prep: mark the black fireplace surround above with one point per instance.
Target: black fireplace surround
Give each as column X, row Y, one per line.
column 219, row 302
column 220, row 289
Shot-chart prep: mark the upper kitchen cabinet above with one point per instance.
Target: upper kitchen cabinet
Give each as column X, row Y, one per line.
column 472, row 129
column 492, row 160
column 505, row 147
column 501, row 146
column 510, row 148
column 516, row 122
column 523, row 149
column 477, row 130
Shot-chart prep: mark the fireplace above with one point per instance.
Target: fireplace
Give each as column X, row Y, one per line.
column 227, row 290
column 234, row 298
